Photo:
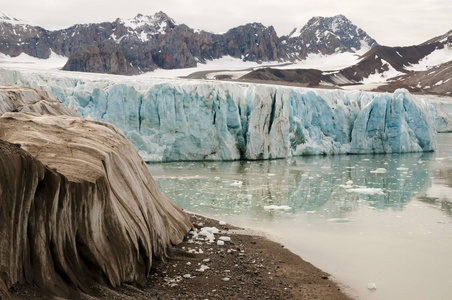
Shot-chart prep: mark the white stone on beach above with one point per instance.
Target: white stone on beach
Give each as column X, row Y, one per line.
column 225, row 238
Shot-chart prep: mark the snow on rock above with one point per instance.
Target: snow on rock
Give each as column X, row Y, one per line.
column 200, row 120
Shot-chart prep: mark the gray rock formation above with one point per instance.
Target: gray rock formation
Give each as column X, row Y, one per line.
column 105, row 57
column 79, row 205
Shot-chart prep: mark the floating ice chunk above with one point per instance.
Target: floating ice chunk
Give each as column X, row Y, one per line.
column 402, row 169
column 379, row 171
column 226, row 279
column 220, row 243
column 187, row 276
column 340, row 220
column 270, row 174
column 276, row 207
column 371, row 286
column 366, row 190
column 222, row 223
column 236, row 183
column 350, row 182
column 217, row 178
column 225, row 238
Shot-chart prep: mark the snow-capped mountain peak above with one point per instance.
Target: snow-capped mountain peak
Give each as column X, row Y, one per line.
column 337, row 34
column 159, row 23
column 4, row 18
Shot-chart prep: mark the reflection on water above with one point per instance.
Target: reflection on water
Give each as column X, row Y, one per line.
column 363, row 218
column 330, row 186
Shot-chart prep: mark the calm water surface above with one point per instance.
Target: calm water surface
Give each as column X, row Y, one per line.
column 383, row 219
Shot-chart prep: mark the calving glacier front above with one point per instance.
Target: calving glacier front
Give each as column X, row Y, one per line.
column 196, row 120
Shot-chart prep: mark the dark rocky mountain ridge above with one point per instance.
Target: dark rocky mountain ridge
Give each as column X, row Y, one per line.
column 144, row 43
column 377, row 61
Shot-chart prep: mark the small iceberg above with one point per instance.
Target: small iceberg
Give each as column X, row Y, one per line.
column 340, row 220
column 366, row 190
column 276, row 207
column 402, row 169
column 237, row 183
column 379, row 171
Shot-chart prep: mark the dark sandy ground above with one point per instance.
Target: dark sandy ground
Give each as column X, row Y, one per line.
column 247, row 267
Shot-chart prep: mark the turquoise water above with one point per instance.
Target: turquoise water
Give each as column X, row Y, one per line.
column 383, row 219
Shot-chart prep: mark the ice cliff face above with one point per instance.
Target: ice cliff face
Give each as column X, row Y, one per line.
column 78, row 205
column 193, row 120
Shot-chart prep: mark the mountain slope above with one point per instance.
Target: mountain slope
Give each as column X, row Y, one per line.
column 419, row 68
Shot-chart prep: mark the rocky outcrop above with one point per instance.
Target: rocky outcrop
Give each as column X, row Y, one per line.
column 106, row 57
column 79, row 205
column 253, row 42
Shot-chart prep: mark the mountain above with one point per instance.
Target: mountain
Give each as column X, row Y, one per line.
column 328, row 36
column 420, row 68
column 144, row 43
column 17, row 36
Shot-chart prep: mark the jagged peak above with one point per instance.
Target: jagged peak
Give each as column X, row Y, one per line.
column 4, row 18
column 159, row 21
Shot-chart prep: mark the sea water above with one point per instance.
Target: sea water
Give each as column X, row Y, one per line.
column 365, row 219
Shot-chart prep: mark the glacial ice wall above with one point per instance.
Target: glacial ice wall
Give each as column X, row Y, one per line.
column 198, row 120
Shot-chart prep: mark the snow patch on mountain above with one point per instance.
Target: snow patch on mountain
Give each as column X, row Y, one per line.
column 27, row 62
column 4, row 18
column 156, row 24
column 381, row 77
column 437, row 57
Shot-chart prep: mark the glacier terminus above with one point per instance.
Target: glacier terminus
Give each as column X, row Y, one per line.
column 173, row 120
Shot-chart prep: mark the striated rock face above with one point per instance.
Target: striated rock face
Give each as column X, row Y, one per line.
column 106, row 57
column 78, row 205
column 253, row 42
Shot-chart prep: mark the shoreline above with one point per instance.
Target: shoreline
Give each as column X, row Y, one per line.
column 249, row 266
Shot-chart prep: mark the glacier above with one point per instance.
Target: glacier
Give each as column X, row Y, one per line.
column 176, row 120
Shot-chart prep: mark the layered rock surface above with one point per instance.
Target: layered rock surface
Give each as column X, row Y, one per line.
column 78, row 205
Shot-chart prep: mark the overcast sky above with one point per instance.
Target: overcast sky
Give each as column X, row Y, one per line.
column 390, row 22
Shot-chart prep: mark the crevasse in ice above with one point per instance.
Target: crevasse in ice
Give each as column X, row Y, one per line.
column 196, row 120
